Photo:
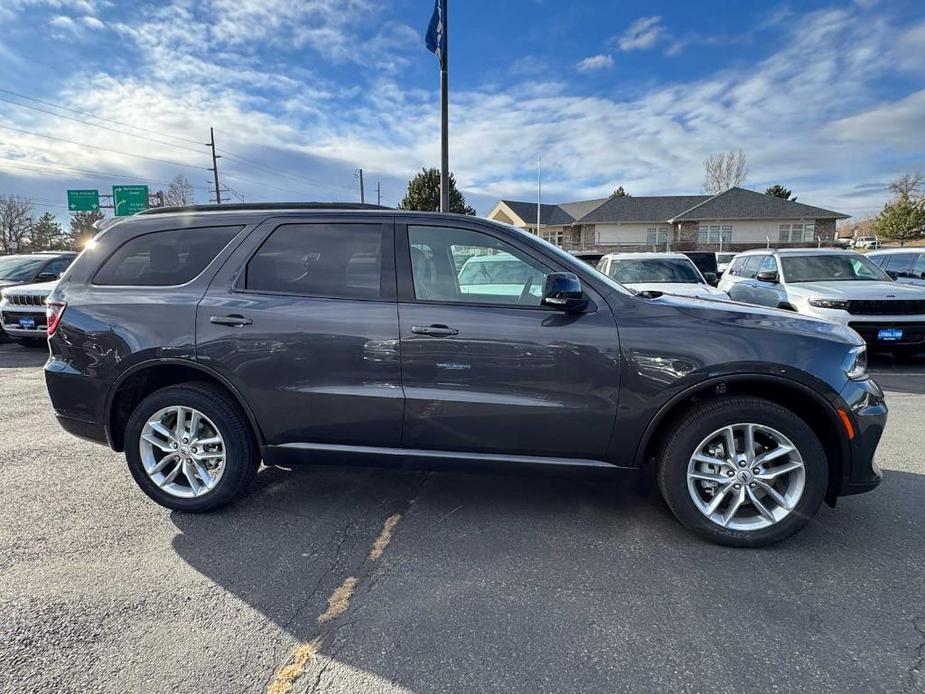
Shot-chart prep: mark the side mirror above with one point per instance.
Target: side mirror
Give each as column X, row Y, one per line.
column 47, row 277
column 767, row 276
column 562, row 290
column 711, row 278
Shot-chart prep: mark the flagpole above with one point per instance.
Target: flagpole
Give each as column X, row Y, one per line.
column 444, row 119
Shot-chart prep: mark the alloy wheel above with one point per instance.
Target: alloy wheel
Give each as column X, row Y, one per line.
column 746, row 477
column 182, row 451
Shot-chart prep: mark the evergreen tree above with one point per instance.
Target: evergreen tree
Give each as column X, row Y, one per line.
column 424, row 194
column 47, row 234
column 82, row 229
column 778, row 191
column 902, row 219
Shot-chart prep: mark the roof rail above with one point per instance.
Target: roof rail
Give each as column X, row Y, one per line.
column 258, row 206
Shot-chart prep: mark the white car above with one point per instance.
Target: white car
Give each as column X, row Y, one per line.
column 722, row 262
column 869, row 242
column 669, row 273
column 500, row 274
column 22, row 312
column 835, row 285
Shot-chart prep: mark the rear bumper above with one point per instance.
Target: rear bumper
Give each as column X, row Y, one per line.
column 867, row 412
column 89, row 431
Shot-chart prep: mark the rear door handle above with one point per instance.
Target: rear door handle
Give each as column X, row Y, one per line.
column 434, row 330
column 231, row 321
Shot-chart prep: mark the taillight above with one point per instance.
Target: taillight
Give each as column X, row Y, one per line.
column 53, row 312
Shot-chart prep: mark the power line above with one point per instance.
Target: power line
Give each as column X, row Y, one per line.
column 225, row 153
column 104, row 127
column 103, row 149
column 93, row 115
column 73, row 172
column 277, row 172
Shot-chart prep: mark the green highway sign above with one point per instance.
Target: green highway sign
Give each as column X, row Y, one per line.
column 83, row 200
column 127, row 200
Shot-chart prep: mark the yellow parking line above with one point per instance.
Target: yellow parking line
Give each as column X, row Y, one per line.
column 339, row 600
column 289, row 673
column 384, row 537
column 286, row 675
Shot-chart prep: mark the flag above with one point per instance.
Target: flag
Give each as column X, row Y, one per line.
column 435, row 39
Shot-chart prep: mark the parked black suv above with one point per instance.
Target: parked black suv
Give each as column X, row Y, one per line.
column 203, row 340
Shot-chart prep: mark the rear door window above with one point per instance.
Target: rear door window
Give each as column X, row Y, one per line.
column 334, row 261
column 164, row 258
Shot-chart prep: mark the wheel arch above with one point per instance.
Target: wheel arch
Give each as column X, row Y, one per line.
column 803, row 401
column 143, row 379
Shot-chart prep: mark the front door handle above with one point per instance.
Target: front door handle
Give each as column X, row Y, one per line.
column 231, row 321
column 434, row 330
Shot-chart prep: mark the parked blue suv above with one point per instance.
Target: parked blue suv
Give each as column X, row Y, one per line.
column 203, row 340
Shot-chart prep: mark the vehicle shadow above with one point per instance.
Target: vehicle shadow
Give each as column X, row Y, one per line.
column 514, row 580
column 16, row 356
column 899, row 373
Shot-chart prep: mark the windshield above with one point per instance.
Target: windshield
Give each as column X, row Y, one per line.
column 19, row 268
column 831, row 268
column 725, row 257
column 655, row 271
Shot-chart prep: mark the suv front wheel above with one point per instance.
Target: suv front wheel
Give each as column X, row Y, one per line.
column 189, row 447
column 743, row 472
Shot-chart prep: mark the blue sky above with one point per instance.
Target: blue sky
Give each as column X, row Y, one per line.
column 827, row 98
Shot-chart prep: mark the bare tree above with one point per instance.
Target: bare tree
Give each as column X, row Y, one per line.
column 724, row 171
column 180, row 192
column 15, row 222
column 908, row 185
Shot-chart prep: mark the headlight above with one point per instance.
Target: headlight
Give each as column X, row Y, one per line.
column 829, row 303
column 856, row 363
column 3, row 299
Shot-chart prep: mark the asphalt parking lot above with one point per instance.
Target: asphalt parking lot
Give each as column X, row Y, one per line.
column 359, row 580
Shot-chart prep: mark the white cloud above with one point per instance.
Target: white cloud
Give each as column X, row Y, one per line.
column 92, row 22
column 643, row 34
column 595, row 62
column 62, row 22
column 809, row 116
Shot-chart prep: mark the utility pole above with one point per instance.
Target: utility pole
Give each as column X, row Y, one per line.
column 444, row 118
column 215, row 158
column 539, row 191
column 362, row 191
column 378, row 192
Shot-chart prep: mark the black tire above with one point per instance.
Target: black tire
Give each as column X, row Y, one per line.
column 700, row 422
column 242, row 457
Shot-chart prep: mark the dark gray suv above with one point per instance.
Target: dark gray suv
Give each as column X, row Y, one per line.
column 201, row 341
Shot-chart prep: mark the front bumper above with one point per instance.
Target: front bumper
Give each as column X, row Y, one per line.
column 867, row 412
column 869, row 327
column 13, row 325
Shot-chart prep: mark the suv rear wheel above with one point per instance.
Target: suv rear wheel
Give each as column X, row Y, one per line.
column 743, row 472
column 189, row 447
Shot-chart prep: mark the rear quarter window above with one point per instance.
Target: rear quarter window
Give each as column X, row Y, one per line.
column 164, row 258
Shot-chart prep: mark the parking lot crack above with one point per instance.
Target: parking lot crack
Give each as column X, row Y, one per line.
column 916, row 676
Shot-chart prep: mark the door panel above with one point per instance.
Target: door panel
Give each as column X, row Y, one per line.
column 500, row 378
column 314, row 369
